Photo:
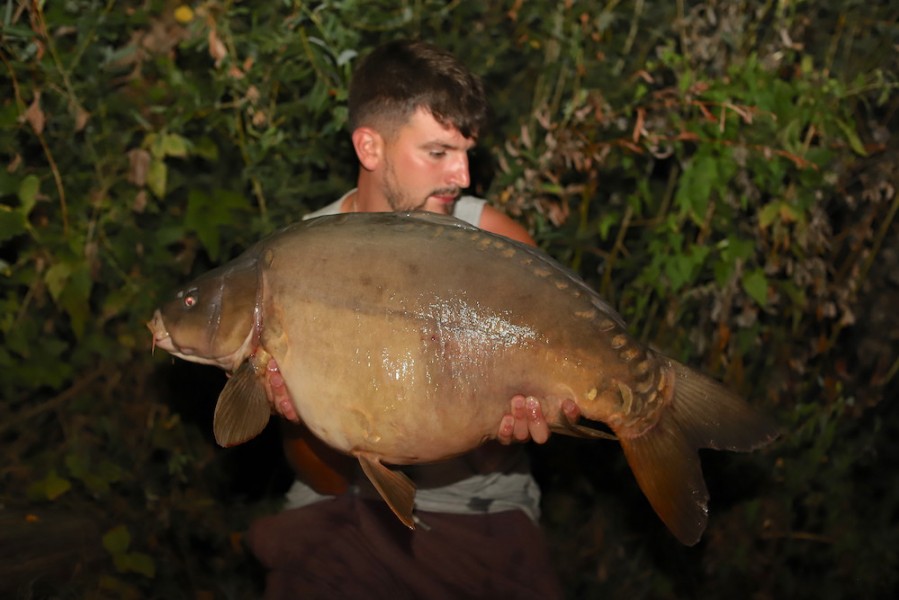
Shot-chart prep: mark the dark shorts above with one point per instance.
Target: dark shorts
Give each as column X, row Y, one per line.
column 353, row 548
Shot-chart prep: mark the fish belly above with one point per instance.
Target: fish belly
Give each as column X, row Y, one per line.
column 409, row 342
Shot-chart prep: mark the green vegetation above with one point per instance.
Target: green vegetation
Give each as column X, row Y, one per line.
column 724, row 173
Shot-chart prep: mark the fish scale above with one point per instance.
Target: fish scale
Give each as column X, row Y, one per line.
column 401, row 338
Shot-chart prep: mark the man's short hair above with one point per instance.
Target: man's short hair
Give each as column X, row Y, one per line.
column 399, row 77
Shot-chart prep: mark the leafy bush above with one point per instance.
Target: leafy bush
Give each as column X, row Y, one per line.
column 724, row 175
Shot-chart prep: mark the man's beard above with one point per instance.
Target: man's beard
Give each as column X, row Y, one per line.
column 401, row 202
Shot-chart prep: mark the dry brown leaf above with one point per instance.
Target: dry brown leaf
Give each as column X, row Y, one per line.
column 259, row 118
column 217, row 49
column 253, row 94
column 138, row 166
column 81, row 118
column 163, row 37
column 558, row 213
column 14, row 164
column 34, row 115
column 140, row 202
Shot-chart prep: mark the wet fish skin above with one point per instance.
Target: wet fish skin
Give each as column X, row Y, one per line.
column 401, row 338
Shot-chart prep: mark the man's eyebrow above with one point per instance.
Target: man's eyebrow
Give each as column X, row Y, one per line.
column 449, row 146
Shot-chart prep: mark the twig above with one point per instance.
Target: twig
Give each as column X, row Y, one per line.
column 617, row 248
column 798, row 535
column 242, row 145
column 54, row 402
column 881, row 235
column 58, row 179
column 42, row 26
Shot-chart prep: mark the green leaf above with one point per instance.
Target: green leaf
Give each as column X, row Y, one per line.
column 56, row 278
column 769, row 214
column 117, row 302
column 208, row 213
column 206, row 148
column 28, row 190
column 77, row 464
column 606, row 221
column 682, row 269
column 200, row 218
column 117, row 540
column 75, row 297
column 154, row 143
column 756, row 285
column 96, row 478
column 695, row 187
column 174, row 145
column 50, row 487
column 12, row 223
column 156, row 177
column 135, row 562
column 852, row 137
column 9, row 184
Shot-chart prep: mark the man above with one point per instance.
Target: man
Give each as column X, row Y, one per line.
column 415, row 113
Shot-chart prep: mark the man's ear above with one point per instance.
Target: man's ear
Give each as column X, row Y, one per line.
column 369, row 147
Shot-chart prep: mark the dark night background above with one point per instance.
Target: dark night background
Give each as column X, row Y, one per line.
column 722, row 172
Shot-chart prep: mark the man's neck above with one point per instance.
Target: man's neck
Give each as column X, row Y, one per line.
column 365, row 199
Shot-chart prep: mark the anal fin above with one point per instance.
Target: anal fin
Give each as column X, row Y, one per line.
column 581, row 431
column 396, row 489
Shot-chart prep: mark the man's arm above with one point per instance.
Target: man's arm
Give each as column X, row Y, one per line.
column 494, row 221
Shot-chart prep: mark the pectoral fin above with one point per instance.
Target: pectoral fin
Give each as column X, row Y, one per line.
column 396, row 489
column 243, row 410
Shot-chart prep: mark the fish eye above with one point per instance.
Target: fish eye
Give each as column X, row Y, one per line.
column 190, row 299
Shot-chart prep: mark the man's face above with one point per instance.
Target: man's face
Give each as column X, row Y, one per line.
column 425, row 165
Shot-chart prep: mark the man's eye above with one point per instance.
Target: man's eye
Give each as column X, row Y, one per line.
column 438, row 153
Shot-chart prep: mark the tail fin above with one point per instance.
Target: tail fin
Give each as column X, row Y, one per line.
column 665, row 461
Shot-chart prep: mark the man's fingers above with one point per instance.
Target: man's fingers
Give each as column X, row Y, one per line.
column 537, row 428
column 286, row 410
column 506, row 427
column 276, row 390
column 571, row 411
column 526, row 421
column 520, row 414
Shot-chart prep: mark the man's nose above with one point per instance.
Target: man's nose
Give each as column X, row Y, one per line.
column 458, row 175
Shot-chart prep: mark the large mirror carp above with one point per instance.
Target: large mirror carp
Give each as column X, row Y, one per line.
column 402, row 337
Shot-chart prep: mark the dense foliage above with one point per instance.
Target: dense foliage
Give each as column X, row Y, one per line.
column 723, row 172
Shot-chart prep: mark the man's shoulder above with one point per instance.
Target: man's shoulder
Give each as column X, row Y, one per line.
column 495, row 221
column 330, row 209
column 469, row 209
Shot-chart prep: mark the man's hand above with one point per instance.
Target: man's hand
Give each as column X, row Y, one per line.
column 526, row 420
column 276, row 390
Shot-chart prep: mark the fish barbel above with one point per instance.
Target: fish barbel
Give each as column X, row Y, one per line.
column 401, row 338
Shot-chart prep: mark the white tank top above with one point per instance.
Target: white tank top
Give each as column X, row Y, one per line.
column 466, row 208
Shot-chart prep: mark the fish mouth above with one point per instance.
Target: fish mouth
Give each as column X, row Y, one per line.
column 161, row 337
